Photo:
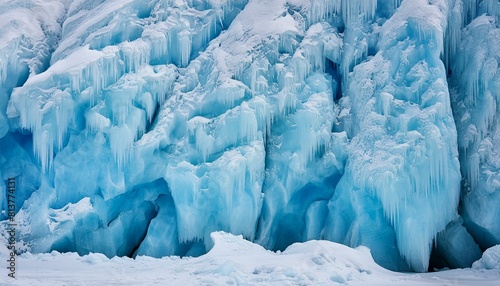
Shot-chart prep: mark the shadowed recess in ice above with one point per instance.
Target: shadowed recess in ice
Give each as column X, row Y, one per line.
column 139, row 127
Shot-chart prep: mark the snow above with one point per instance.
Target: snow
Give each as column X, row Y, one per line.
column 490, row 259
column 68, row 212
column 233, row 260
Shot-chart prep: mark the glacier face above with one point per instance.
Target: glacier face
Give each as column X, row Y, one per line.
column 139, row 127
column 403, row 140
column 476, row 99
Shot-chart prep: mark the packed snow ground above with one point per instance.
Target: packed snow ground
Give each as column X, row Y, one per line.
column 235, row 261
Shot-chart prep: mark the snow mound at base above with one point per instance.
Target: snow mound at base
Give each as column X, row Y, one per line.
column 310, row 262
column 490, row 259
column 233, row 261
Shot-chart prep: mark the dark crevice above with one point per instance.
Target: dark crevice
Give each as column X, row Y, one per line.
column 133, row 252
column 22, row 77
column 437, row 261
column 151, row 124
column 332, row 69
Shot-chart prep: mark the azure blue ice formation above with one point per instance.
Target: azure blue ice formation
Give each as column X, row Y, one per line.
column 139, row 127
column 476, row 101
column 402, row 158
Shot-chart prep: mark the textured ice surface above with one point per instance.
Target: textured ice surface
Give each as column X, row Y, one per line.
column 139, row 127
column 476, row 100
column 402, row 160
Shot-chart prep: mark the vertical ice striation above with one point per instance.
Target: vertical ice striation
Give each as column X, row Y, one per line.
column 358, row 10
column 304, row 159
column 101, row 93
column 28, row 34
column 403, row 150
column 476, row 100
column 239, row 100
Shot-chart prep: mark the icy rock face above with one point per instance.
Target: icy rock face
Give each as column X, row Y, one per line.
column 139, row 127
column 476, row 102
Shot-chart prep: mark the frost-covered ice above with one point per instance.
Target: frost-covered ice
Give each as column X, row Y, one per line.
column 140, row 127
column 477, row 105
column 402, row 159
column 233, row 260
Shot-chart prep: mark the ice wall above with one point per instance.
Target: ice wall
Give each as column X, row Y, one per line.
column 129, row 105
column 139, row 127
column 476, row 96
column 116, row 63
column 239, row 160
column 402, row 160
column 28, row 33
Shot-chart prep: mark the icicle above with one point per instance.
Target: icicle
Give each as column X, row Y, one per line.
column 185, row 47
column 396, row 3
column 386, row 99
column 121, row 139
column 492, row 7
column 248, row 123
column 63, row 114
column 134, row 54
column 95, row 121
column 453, row 32
column 358, row 10
column 146, row 101
column 43, row 139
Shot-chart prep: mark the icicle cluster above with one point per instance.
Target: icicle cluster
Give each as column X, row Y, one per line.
column 402, row 160
column 476, row 102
